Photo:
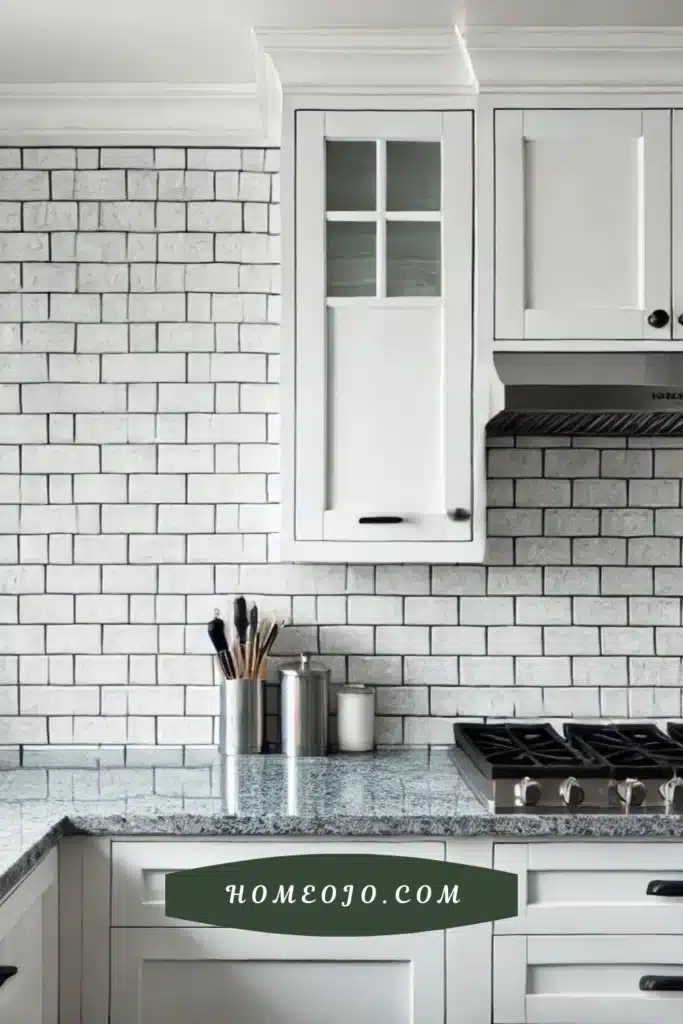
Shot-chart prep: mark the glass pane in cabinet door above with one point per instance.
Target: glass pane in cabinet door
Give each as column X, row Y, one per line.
column 413, row 176
column 351, row 258
column 413, row 258
column 351, row 174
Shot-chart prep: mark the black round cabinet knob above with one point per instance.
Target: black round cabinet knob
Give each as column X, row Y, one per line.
column 659, row 318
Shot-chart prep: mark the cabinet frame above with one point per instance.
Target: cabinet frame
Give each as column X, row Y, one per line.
column 542, row 99
column 468, row 544
column 514, row 321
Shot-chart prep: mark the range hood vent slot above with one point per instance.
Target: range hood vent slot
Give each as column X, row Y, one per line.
column 587, row 424
column 605, row 394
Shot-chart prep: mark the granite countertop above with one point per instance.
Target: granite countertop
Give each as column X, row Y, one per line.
column 390, row 793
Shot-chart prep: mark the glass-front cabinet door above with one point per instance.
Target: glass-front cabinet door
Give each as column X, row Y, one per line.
column 383, row 334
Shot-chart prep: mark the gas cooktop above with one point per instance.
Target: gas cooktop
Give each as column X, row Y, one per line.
column 517, row 767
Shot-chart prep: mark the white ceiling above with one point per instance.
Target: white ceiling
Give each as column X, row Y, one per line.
column 173, row 41
column 208, row 41
column 190, row 70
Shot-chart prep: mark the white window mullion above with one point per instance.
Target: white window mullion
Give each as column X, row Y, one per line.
column 381, row 218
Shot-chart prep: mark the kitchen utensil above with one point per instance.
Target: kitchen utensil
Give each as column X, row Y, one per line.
column 245, row 655
column 216, row 630
column 251, row 640
column 303, row 697
column 227, row 664
column 356, row 718
column 241, row 620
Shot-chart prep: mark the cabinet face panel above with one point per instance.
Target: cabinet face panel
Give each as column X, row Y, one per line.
column 582, row 224
column 139, row 868
column 21, row 996
column 591, row 887
column 584, row 979
column 166, row 976
column 383, row 327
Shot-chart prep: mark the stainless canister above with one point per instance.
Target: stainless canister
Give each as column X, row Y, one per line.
column 303, row 707
column 242, row 716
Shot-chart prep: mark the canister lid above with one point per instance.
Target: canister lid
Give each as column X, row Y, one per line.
column 357, row 688
column 304, row 665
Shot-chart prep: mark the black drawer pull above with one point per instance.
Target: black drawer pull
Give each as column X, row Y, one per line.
column 380, row 519
column 661, row 983
column 6, row 973
column 658, row 887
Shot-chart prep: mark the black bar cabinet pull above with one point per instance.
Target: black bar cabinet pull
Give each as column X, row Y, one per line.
column 6, row 973
column 658, row 887
column 661, row 983
column 381, row 519
column 459, row 515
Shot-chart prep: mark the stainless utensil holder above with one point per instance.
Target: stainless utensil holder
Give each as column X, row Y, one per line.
column 242, row 716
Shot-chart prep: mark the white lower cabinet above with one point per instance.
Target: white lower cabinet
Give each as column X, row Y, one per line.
column 586, row 979
column 203, row 975
column 166, row 971
column 28, row 949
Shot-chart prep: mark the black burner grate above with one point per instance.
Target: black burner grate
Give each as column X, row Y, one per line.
column 630, row 749
column 510, row 751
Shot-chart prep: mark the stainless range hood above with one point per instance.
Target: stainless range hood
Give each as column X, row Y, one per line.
column 590, row 394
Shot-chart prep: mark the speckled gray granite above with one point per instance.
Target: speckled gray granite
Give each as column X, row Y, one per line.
column 400, row 793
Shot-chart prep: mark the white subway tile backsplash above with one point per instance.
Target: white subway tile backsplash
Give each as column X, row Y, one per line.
column 139, row 452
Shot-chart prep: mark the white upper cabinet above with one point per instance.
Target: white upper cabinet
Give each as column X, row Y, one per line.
column 583, row 234
column 379, row 360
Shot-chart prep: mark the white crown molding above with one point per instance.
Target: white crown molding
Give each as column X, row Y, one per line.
column 576, row 59
column 355, row 61
column 95, row 114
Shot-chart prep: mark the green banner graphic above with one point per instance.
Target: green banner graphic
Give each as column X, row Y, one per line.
column 341, row 895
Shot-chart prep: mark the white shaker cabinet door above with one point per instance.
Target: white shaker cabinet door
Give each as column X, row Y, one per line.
column 380, row 366
column 21, row 993
column 206, row 975
column 582, row 225
column 29, row 948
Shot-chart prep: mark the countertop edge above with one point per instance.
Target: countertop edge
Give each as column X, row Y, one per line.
column 517, row 826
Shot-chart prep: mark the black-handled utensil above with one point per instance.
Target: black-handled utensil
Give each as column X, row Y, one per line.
column 241, row 620
column 216, row 631
column 251, row 639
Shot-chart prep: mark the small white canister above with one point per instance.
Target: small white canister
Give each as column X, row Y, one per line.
column 356, row 718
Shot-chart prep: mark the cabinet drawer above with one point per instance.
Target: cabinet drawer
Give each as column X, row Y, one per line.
column 584, row 979
column 139, row 868
column 592, row 888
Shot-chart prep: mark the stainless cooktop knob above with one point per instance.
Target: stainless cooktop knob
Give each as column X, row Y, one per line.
column 631, row 792
column 527, row 792
column 672, row 791
column 571, row 792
